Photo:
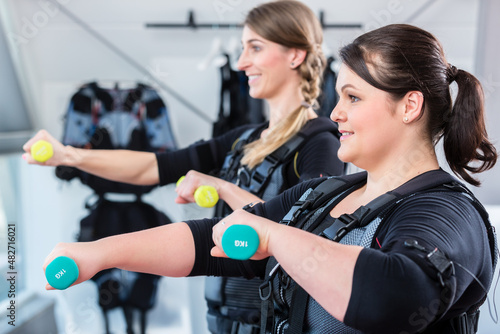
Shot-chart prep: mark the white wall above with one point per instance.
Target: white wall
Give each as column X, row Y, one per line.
column 54, row 56
column 488, row 71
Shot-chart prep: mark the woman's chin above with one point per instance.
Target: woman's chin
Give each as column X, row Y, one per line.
column 344, row 156
column 255, row 94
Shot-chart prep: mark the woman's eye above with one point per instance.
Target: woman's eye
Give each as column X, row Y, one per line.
column 353, row 98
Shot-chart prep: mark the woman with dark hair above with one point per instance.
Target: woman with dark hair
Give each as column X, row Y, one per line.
column 422, row 264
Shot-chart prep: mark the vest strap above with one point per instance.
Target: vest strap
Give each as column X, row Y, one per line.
column 298, row 311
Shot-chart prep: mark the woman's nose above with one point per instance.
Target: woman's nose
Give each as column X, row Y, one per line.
column 337, row 115
column 242, row 61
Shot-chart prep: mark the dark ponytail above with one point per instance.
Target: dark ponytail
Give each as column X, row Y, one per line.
column 464, row 137
column 405, row 58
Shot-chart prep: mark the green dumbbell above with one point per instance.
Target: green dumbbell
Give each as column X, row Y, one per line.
column 42, row 151
column 61, row 272
column 205, row 196
column 240, row 242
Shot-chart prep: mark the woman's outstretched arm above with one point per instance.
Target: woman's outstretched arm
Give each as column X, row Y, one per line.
column 167, row 250
column 134, row 167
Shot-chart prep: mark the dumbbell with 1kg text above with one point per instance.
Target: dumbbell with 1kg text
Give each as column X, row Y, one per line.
column 239, row 242
column 61, row 272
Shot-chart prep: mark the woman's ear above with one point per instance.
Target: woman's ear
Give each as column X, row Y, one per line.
column 413, row 102
column 297, row 57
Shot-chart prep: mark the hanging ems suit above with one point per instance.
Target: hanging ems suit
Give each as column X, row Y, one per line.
column 100, row 118
column 115, row 118
column 359, row 228
column 234, row 303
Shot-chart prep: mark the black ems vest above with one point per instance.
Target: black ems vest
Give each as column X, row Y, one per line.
column 284, row 305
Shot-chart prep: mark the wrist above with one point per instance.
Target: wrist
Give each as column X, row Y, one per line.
column 107, row 253
column 72, row 156
column 273, row 233
column 222, row 187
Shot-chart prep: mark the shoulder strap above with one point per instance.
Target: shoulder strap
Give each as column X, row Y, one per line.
column 261, row 174
column 314, row 200
column 318, row 196
column 245, row 137
column 366, row 213
column 231, row 164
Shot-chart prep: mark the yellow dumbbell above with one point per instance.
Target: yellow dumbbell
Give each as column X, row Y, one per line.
column 205, row 196
column 42, row 151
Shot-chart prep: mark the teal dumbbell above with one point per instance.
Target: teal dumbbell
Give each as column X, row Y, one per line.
column 61, row 272
column 240, row 242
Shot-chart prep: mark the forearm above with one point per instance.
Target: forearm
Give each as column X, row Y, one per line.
column 166, row 250
column 234, row 196
column 126, row 166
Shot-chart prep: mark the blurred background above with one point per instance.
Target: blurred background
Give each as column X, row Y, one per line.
column 49, row 48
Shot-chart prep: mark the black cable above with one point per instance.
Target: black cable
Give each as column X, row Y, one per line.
column 131, row 61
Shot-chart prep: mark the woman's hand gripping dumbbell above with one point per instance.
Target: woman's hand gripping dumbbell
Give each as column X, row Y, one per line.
column 43, row 149
column 240, row 242
column 61, row 272
column 236, row 239
column 205, row 196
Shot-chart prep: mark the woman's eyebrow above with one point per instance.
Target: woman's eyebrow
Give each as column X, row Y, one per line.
column 346, row 86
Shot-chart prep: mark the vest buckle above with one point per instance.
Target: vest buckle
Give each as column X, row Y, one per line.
column 349, row 222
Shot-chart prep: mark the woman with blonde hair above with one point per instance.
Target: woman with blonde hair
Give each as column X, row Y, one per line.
column 282, row 57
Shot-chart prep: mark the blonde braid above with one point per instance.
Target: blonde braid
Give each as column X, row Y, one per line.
column 312, row 73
